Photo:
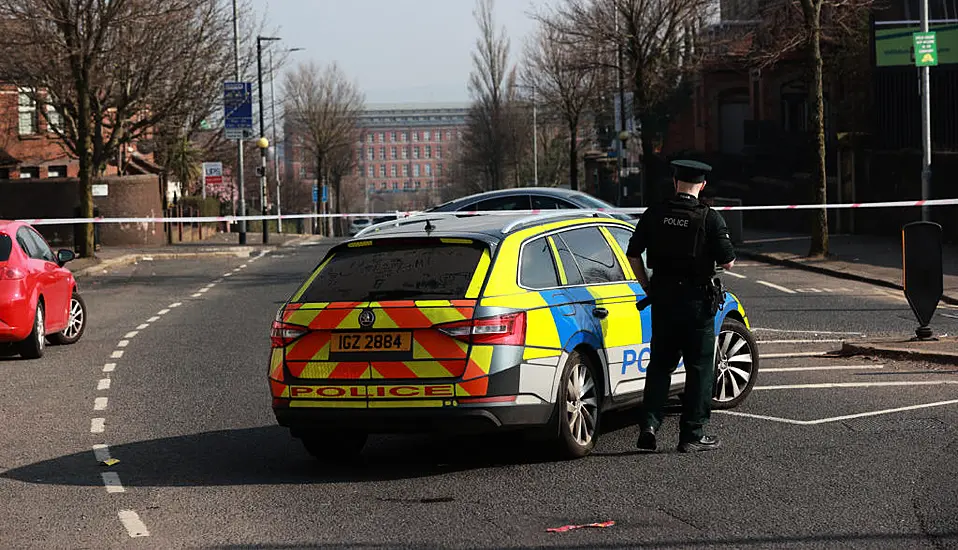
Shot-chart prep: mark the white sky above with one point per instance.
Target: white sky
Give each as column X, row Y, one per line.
column 397, row 50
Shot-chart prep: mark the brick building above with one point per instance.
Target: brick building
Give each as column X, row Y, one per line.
column 401, row 154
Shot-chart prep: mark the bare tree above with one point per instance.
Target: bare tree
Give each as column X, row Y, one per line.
column 111, row 71
column 563, row 78
column 790, row 26
column 324, row 106
column 486, row 133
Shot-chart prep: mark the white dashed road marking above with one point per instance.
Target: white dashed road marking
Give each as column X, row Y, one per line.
column 838, row 367
column 776, row 287
column 131, row 334
column 153, row 319
column 143, row 326
column 116, row 354
column 123, row 343
column 163, row 312
column 103, row 384
column 97, row 425
column 134, row 527
column 796, row 354
column 112, row 482
column 823, row 341
column 857, row 385
column 736, row 275
column 758, row 329
column 227, row 274
column 175, row 304
column 100, row 403
column 838, row 418
column 196, row 295
column 101, row 452
column 109, row 367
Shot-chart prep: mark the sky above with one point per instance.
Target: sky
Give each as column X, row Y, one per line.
column 398, row 51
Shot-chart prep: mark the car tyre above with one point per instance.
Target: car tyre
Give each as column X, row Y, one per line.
column 336, row 447
column 577, row 407
column 33, row 346
column 736, row 365
column 76, row 324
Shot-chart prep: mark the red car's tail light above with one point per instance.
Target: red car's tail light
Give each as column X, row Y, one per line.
column 12, row 273
column 506, row 330
column 283, row 334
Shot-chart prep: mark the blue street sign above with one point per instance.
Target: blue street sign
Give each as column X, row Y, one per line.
column 238, row 109
column 315, row 192
column 325, row 195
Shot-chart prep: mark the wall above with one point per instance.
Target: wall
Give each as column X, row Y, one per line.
column 128, row 196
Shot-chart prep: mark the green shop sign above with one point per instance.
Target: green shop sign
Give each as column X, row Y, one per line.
column 896, row 46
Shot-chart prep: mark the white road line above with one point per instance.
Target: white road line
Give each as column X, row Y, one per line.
column 100, row 403
column 97, row 425
column 134, row 527
column 175, row 304
column 950, row 316
column 858, row 385
column 243, row 266
column 842, row 367
column 112, row 482
column 163, row 312
column 143, row 326
column 227, row 274
column 153, row 319
column 211, row 285
column 736, row 275
column 796, row 354
column 131, row 334
column 220, row 280
column 204, row 290
column 109, row 367
column 776, row 287
column 101, row 452
column 823, row 341
column 116, row 354
column 839, row 418
column 103, row 384
column 123, row 343
column 786, row 331
column 197, row 295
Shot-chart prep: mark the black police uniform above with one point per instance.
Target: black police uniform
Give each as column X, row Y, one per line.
column 684, row 239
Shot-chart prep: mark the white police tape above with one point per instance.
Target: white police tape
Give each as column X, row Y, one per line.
column 404, row 214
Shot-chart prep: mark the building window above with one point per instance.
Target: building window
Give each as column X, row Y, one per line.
column 404, row 136
column 415, row 170
column 406, row 184
column 382, row 137
column 392, row 153
column 28, row 113
column 382, row 170
column 29, row 172
column 370, row 154
column 382, row 186
column 395, row 186
column 439, row 151
column 426, row 136
column 405, row 153
column 392, row 137
column 57, row 171
column 392, row 171
column 405, row 170
column 438, row 170
column 415, row 152
column 438, row 135
column 418, row 184
column 429, row 151
column 370, row 171
column 415, row 136
column 382, row 153
column 369, row 138
column 428, row 169
column 54, row 120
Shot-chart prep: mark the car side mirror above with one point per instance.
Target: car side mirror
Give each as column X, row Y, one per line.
column 64, row 256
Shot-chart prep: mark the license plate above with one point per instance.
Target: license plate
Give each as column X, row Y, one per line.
column 351, row 342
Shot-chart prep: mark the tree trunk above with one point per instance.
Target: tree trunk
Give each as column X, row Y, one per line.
column 319, row 184
column 573, row 157
column 339, row 221
column 819, row 244
column 86, row 244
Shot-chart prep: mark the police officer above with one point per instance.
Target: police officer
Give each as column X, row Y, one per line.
column 684, row 240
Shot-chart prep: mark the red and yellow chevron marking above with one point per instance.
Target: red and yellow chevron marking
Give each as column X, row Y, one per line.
column 276, row 364
column 278, row 389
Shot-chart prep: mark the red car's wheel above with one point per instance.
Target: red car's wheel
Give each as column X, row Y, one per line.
column 76, row 324
column 33, row 346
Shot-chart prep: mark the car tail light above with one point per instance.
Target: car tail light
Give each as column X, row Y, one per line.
column 283, row 334
column 506, row 330
column 11, row 273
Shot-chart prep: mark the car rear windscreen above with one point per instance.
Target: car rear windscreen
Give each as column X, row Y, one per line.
column 6, row 245
column 408, row 271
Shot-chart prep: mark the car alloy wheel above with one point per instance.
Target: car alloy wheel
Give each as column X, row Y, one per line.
column 582, row 405
column 736, row 365
column 76, row 319
column 39, row 330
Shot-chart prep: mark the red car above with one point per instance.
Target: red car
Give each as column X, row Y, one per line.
column 39, row 299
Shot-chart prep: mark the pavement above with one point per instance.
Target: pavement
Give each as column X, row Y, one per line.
column 217, row 245
column 870, row 259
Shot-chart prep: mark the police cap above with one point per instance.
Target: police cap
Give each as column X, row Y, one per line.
column 690, row 171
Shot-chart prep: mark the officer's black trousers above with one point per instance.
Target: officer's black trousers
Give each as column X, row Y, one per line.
column 681, row 326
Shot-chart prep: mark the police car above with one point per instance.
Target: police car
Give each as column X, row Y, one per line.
column 475, row 323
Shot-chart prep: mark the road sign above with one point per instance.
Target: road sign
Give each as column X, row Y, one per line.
column 325, row 195
column 926, row 49
column 922, row 271
column 238, row 107
column 213, row 173
column 315, row 192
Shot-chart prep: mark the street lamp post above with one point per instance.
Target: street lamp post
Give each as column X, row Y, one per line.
column 263, row 143
column 239, row 143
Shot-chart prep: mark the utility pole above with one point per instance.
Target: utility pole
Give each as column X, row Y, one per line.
column 925, row 121
column 272, row 107
column 239, row 143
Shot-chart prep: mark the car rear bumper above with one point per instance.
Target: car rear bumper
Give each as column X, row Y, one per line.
column 16, row 319
column 461, row 419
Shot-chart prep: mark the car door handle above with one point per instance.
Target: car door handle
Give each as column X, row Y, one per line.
column 600, row 312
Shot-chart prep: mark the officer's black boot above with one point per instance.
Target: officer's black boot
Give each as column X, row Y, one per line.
column 705, row 443
column 646, row 440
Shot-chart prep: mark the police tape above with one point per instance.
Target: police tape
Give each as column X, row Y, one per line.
column 405, row 214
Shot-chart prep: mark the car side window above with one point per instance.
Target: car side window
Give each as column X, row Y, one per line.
column 42, row 247
column 594, row 255
column 622, row 237
column 569, row 268
column 537, row 269
column 542, row 202
column 512, row 202
column 27, row 244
